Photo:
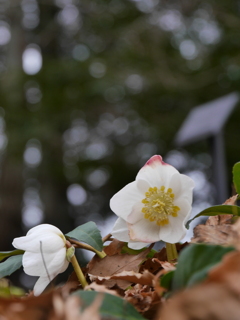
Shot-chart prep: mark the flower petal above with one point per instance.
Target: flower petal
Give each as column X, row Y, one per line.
column 136, row 245
column 182, row 186
column 32, row 242
column 144, row 231
column 176, row 230
column 123, row 201
column 35, row 264
column 45, row 227
column 136, row 214
column 156, row 172
column 40, row 285
column 120, row 230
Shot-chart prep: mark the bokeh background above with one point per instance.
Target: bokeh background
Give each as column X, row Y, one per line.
column 90, row 89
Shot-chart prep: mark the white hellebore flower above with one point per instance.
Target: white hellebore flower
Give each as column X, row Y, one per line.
column 156, row 206
column 45, row 254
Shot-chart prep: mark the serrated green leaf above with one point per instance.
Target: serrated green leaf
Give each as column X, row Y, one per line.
column 112, row 307
column 6, row 254
column 89, row 234
column 194, row 263
column 236, row 176
column 217, row 210
column 10, row 265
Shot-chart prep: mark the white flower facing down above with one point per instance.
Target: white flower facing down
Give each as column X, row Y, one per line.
column 45, row 254
column 156, row 206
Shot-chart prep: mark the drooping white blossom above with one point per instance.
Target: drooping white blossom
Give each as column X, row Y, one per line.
column 45, row 254
column 156, row 206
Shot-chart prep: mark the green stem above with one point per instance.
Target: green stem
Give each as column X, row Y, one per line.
column 171, row 251
column 78, row 271
column 81, row 245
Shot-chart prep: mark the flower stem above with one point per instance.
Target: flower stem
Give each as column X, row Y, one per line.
column 171, row 251
column 81, row 245
column 78, row 272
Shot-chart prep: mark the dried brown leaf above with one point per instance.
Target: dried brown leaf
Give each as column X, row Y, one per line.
column 101, row 288
column 111, row 265
column 232, row 200
column 203, row 302
column 144, row 299
column 227, row 272
column 221, row 219
column 115, row 247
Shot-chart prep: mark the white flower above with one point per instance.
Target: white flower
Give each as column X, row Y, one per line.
column 45, row 254
column 156, row 206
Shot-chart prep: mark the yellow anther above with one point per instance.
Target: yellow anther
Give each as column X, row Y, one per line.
column 159, row 205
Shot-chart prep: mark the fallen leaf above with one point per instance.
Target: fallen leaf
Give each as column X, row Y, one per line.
column 202, row 302
column 221, row 219
column 144, row 298
column 232, row 200
column 227, row 272
column 111, row 265
column 101, row 288
column 114, row 247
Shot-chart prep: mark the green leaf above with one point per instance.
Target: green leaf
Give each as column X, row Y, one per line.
column 10, row 265
column 217, row 210
column 166, row 280
column 6, row 254
column 194, row 263
column 236, row 176
column 112, row 307
column 89, row 234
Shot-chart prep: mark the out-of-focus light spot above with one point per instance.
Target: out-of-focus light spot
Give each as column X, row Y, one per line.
column 188, row 49
column 76, row 194
column 98, row 150
column 97, row 69
column 5, row 33
column 105, row 125
column 32, row 215
column 70, row 17
column 146, row 6
column 97, row 178
column 120, row 125
column 3, row 141
column 81, row 52
column 32, row 59
column 146, row 150
column 32, row 155
column 135, row 83
column 75, row 135
column 114, row 94
column 30, row 20
column 170, row 20
column 177, row 159
column 199, row 178
column 33, row 93
column 208, row 31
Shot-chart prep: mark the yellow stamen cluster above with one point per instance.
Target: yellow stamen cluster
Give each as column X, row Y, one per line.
column 159, row 205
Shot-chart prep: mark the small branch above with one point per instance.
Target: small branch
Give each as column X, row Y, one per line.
column 87, row 247
column 78, row 272
column 108, row 237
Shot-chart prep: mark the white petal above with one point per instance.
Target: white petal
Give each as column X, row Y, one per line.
column 123, row 201
column 45, row 228
column 156, row 172
column 50, row 242
column 35, row 264
column 182, row 186
column 176, row 230
column 135, row 245
column 40, row 285
column 136, row 214
column 144, row 231
column 120, row 230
